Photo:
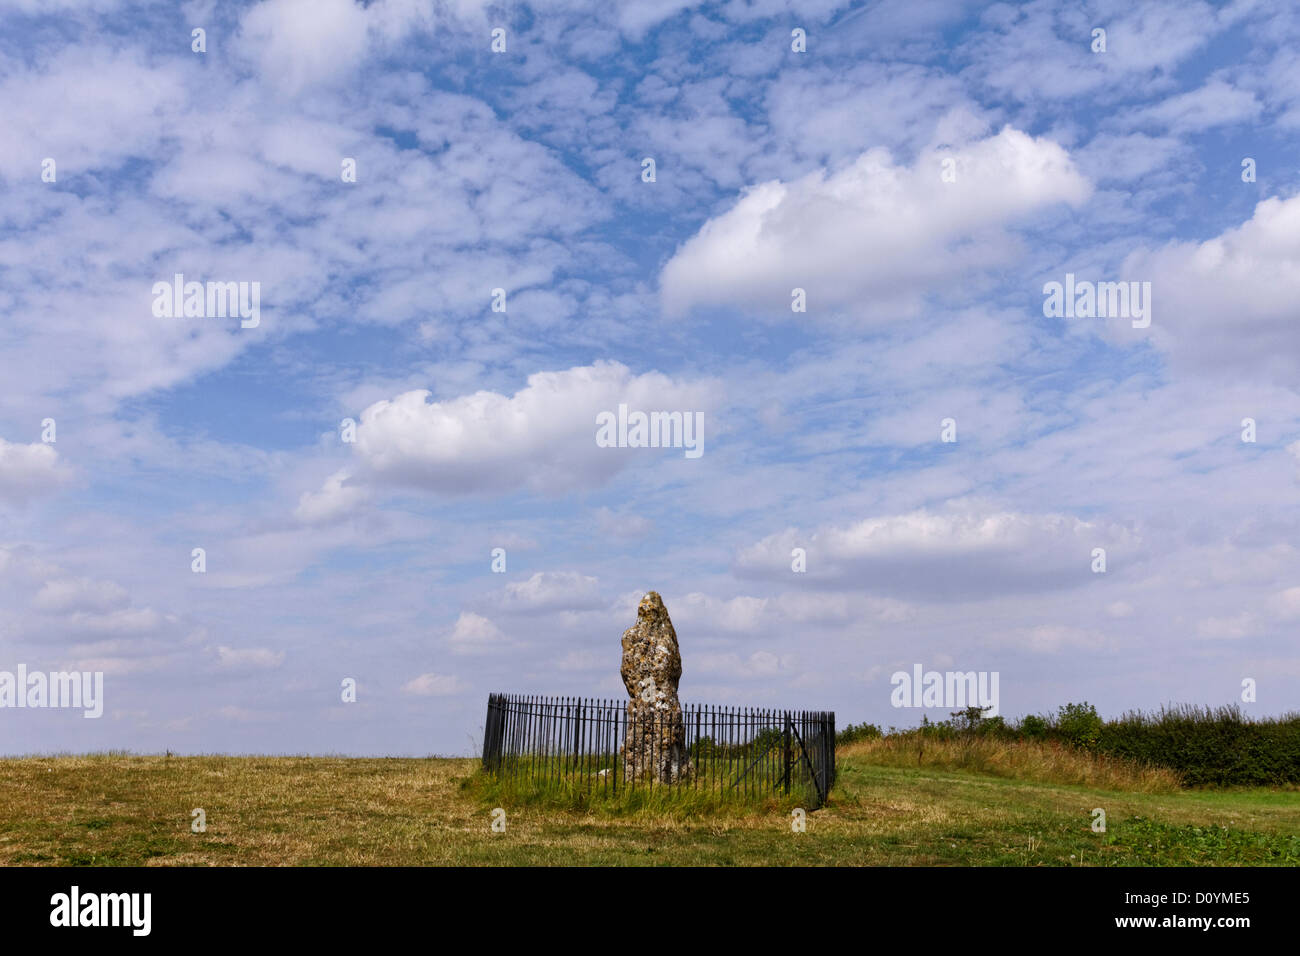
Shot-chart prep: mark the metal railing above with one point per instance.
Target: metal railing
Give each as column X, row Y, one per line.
column 734, row 751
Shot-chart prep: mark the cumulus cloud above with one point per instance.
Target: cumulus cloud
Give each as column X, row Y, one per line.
column 335, row 500
column 28, row 470
column 543, row 437
column 958, row 554
column 91, row 618
column 555, row 590
column 1227, row 305
column 475, row 634
column 300, row 44
column 303, row 42
column 873, row 232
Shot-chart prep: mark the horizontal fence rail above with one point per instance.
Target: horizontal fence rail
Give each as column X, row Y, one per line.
column 733, row 751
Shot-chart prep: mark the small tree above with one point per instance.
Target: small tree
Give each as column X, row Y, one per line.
column 969, row 721
column 1079, row 725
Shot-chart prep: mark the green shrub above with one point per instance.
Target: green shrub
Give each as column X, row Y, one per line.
column 856, row 732
column 995, row 727
column 1210, row 746
column 1032, row 727
column 1078, row 725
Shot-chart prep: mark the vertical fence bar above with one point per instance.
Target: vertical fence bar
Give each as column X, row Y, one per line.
column 512, row 728
column 695, row 746
column 534, row 734
column 557, row 732
column 714, row 743
column 787, row 724
column 747, row 733
column 554, row 733
column 518, row 744
column 584, row 732
column 526, row 744
column 733, row 739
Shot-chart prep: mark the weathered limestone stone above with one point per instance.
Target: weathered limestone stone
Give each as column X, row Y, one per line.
column 655, row 745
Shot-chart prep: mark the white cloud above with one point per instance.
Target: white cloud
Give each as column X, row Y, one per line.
column 740, row 614
column 1056, row 638
column 757, row 664
column 873, row 233
column 635, row 17
column 555, row 590
column 1227, row 305
column 813, row 11
column 434, row 685
column 126, row 622
column 251, row 657
column 1286, row 604
column 81, row 594
column 1125, row 157
column 1217, row 103
column 335, row 500
column 1042, row 50
column 305, row 43
column 543, row 437
column 110, row 104
column 28, row 470
column 474, row 633
column 1227, row 628
column 963, row 553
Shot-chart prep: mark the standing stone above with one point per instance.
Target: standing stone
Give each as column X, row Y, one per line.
column 655, row 745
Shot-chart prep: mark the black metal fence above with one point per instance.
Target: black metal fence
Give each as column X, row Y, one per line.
column 733, row 751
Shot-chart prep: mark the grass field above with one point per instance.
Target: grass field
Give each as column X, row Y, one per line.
column 136, row 810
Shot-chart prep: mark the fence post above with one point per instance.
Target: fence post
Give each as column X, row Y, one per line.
column 829, row 719
column 494, row 733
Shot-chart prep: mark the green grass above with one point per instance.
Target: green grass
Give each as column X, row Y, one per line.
column 123, row 810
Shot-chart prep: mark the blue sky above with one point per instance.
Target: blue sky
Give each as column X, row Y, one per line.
column 521, row 170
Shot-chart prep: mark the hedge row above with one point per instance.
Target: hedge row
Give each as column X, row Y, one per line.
column 1207, row 746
